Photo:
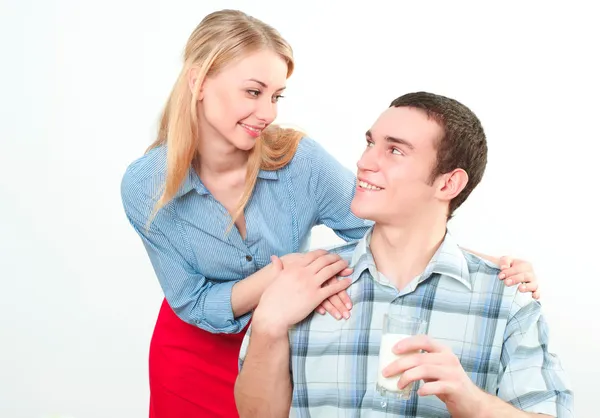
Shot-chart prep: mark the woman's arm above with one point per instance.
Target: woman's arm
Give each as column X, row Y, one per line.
column 218, row 307
column 333, row 187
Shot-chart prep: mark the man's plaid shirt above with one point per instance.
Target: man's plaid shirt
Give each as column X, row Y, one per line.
column 498, row 333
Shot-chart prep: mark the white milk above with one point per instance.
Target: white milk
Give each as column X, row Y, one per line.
column 386, row 357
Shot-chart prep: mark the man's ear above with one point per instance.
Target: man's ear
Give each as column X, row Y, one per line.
column 193, row 80
column 450, row 185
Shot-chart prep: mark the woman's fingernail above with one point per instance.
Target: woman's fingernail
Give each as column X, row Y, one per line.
column 349, row 305
column 346, row 315
column 501, row 276
column 338, row 316
column 509, row 282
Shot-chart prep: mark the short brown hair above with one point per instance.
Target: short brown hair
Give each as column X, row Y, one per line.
column 463, row 144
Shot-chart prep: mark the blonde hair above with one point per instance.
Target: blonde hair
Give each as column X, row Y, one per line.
column 220, row 38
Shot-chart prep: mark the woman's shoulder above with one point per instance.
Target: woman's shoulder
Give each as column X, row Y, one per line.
column 313, row 155
column 145, row 176
column 152, row 163
column 308, row 148
column 305, row 160
column 309, row 154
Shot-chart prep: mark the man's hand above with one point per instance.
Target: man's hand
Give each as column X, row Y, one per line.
column 442, row 372
column 298, row 289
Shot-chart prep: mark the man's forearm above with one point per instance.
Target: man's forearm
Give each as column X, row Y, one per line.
column 263, row 388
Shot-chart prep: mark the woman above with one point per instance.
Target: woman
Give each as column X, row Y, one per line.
column 218, row 193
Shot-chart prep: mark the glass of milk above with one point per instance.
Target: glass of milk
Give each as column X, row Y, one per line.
column 395, row 329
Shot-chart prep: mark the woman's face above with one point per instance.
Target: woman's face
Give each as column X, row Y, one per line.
column 237, row 103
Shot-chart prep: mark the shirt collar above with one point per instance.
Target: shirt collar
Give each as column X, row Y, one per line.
column 448, row 260
column 268, row 175
column 192, row 181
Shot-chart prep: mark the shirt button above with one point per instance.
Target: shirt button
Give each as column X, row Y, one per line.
column 248, row 258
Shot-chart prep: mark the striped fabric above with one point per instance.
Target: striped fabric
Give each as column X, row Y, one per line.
column 497, row 332
column 197, row 264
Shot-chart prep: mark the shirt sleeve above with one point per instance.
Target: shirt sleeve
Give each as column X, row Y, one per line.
column 193, row 298
column 531, row 377
column 334, row 187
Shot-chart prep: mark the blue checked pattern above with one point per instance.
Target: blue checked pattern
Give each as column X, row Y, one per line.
column 498, row 333
column 197, row 264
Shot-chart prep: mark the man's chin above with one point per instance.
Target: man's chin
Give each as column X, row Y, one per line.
column 362, row 212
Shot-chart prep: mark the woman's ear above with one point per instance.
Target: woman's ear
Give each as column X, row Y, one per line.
column 193, row 80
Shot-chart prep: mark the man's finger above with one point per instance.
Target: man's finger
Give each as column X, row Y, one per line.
column 440, row 387
column 410, row 361
column 425, row 372
column 419, row 342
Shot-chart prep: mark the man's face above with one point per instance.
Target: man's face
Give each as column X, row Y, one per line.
column 395, row 168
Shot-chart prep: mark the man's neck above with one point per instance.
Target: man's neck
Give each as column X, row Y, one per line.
column 402, row 252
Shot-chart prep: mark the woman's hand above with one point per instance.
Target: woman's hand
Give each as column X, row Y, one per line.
column 514, row 271
column 338, row 305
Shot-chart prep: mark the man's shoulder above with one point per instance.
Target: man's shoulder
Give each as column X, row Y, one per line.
column 480, row 265
column 484, row 280
column 345, row 250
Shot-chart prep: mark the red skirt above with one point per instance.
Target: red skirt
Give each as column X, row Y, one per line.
column 192, row 372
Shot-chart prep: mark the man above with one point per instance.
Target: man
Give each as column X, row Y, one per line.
column 485, row 352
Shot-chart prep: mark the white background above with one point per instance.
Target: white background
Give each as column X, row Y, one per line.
column 81, row 87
